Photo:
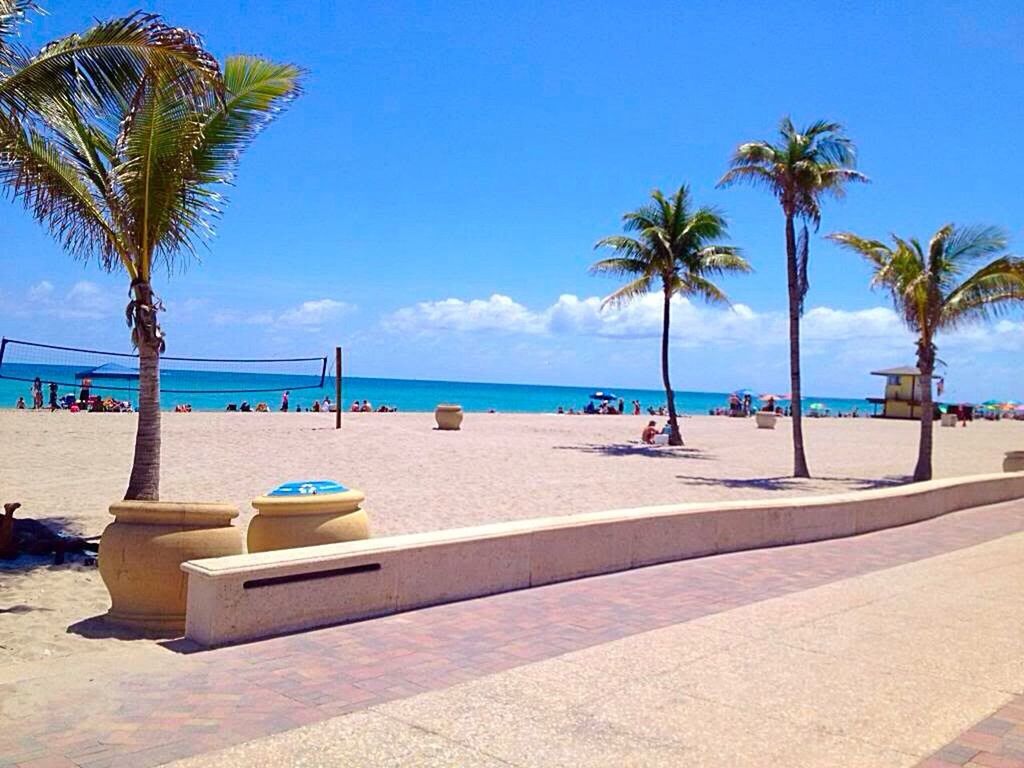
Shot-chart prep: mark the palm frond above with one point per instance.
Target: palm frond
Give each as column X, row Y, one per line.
column 255, row 92
column 50, row 185
column 989, row 291
column 630, row 291
column 12, row 15
column 102, row 65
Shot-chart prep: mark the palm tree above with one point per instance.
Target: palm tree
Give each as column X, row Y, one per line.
column 800, row 169
column 928, row 289
column 674, row 250
column 138, row 188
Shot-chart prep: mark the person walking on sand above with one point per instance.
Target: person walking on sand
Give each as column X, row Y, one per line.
column 284, row 402
column 53, row 396
column 37, row 394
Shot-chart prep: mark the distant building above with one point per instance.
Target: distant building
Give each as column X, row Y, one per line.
column 902, row 394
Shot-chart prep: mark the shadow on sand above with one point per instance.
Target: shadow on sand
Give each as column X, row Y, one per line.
column 638, row 449
column 792, row 483
column 99, row 628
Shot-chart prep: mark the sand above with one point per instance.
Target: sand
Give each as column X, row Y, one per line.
column 66, row 468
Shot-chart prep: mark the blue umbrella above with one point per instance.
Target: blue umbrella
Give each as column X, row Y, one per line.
column 603, row 396
column 744, row 392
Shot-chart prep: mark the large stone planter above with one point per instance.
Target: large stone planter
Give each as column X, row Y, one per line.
column 1014, row 461
column 307, row 519
column 765, row 419
column 448, row 416
column 141, row 553
column 948, row 419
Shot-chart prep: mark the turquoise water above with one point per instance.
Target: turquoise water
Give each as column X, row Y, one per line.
column 405, row 394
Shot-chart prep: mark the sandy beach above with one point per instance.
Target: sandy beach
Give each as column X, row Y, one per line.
column 66, row 468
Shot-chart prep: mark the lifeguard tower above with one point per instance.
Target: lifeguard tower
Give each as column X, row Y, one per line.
column 902, row 394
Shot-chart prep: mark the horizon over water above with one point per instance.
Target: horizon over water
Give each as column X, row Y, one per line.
column 404, row 394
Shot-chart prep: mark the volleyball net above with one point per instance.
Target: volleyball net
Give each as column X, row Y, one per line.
column 26, row 361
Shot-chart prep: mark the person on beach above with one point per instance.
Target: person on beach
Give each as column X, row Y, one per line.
column 326, row 406
column 284, row 402
column 54, row 405
column 355, row 406
column 649, row 433
column 367, row 408
column 83, row 393
column 961, row 414
column 37, row 393
column 245, row 408
column 20, row 405
column 622, row 405
column 636, row 407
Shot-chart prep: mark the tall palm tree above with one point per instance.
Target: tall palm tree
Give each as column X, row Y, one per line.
column 139, row 188
column 800, row 169
column 673, row 250
column 929, row 290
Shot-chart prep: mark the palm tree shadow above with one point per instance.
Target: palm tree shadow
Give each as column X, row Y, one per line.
column 792, row 483
column 53, row 541
column 637, row 449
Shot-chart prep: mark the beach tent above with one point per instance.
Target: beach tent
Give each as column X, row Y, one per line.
column 110, row 371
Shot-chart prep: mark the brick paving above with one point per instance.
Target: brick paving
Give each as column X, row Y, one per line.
column 995, row 742
column 202, row 701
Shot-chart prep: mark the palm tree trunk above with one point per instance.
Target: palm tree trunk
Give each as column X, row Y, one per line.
column 799, row 457
column 144, row 484
column 926, row 365
column 674, row 436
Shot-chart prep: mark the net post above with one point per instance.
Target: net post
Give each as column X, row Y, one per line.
column 337, row 387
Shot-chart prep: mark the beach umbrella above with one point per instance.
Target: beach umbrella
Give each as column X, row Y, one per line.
column 603, row 396
column 747, row 391
column 1009, row 405
column 818, row 407
column 769, row 396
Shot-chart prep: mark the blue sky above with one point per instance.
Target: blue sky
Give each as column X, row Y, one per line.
column 431, row 202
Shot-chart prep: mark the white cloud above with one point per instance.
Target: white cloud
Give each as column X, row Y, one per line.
column 84, row 300
column 693, row 324
column 498, row 313
column 312, row 314
column 309, row 315
column 40, row 291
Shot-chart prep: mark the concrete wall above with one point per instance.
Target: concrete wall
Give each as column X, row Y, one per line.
column 243, row 597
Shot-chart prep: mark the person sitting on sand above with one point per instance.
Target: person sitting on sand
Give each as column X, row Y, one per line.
column 355, row 406
column 367, row 408
column 245, row 407
column 20, row 405
column 649, row 432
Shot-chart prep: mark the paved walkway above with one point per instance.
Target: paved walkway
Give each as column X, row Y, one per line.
column 150, row 706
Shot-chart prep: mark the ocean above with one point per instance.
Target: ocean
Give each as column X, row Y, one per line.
column 178, row 387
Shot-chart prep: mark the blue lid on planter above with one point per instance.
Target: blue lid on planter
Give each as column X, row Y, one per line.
column 308, row 488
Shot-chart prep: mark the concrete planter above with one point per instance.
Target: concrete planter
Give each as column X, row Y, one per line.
column 448, row 416
column 1014, row 461
column 141, row 553
column 948, row 420
column 765, row 419
column 286, row 522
